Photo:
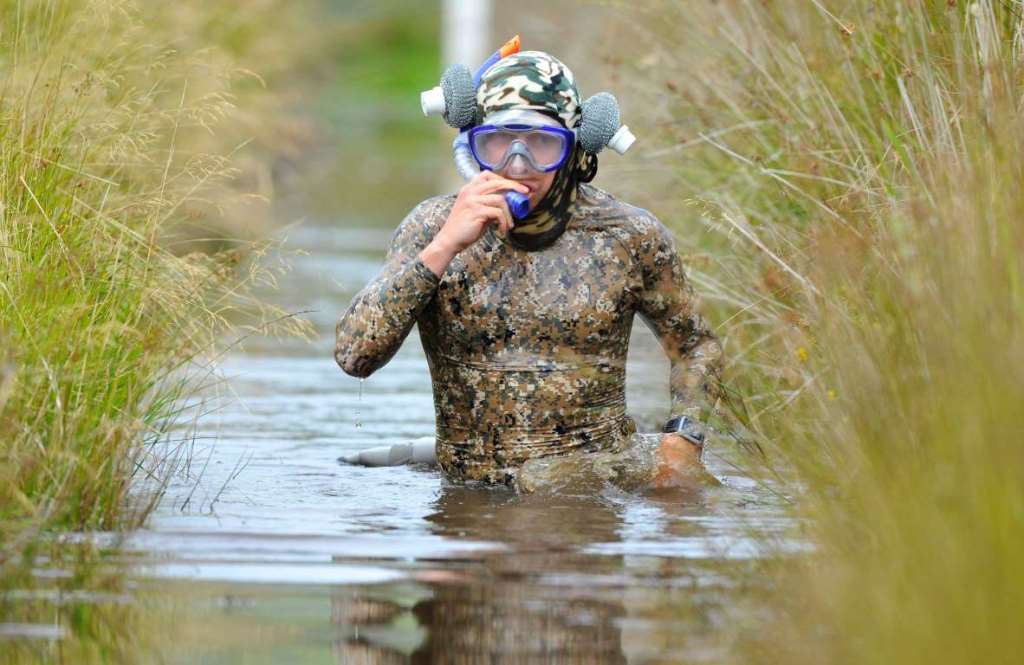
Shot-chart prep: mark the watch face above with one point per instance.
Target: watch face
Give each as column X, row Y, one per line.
column 687, row 428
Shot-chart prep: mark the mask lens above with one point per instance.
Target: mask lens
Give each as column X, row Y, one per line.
column 546, row 147
column 491, row 146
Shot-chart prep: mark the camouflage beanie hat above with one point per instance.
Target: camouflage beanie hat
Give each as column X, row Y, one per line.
column 537, row 81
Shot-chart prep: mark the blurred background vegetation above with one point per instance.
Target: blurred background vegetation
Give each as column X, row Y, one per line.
column 377, row 142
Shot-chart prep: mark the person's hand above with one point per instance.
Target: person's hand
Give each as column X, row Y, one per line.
column 678, row 462
column 480, row 202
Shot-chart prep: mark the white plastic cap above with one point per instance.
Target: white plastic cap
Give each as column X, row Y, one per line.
column 432, row 101
column 621, row 140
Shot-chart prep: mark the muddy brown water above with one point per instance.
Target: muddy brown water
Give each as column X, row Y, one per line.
column 398, row 565
column 269, row 551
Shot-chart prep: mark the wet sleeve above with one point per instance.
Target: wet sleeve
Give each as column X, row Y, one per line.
column 668, row 304
column 380, row 317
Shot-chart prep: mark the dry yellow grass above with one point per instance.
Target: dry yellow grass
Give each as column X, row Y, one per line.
column 847, row 179
column 119, row 122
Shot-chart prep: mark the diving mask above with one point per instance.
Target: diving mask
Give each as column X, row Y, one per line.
column 539, row 140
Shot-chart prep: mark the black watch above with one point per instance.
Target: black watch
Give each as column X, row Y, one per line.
column 686, row 427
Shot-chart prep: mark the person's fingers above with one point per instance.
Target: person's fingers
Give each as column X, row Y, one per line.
column 486, row 214
column 481, row 179
column 498, row 201
column 487, row 182
column 505, row 223
column 472, row 185
column 490, row 209
column 491, row 199
column 514, row 185
column 509, row 222
column 498, row 183
column 494, row 215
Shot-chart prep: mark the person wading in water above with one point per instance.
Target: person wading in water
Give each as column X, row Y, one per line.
column 526, row 323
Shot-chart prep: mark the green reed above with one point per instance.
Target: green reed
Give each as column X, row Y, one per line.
column 855, row 169
column 120, row 123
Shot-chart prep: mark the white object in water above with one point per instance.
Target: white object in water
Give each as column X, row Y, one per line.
column 417, row 451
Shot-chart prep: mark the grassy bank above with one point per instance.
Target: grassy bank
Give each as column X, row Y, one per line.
column 124, row 127
column 851, row 175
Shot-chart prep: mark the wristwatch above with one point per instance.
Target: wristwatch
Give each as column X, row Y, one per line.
column 686, row 427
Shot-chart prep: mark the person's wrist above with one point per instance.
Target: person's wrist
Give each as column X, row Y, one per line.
column 445, row 247
column 437, row 255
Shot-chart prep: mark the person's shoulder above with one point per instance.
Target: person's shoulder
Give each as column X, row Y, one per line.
column 609, row 211
column 433, row 210
column 424, row 220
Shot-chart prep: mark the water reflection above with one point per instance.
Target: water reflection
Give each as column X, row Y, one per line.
column 504, row 611
column 592, row 575
column 61, row 604
column 497, row 607
column 541, row 597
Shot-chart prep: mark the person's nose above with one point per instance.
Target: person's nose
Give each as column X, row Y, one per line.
column 518, row 167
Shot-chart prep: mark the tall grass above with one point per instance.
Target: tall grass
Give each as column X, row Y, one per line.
column 854, row 169
column 119, row 123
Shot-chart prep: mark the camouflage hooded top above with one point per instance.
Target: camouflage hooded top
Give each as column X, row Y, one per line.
column 527, row 349
column 537, row 81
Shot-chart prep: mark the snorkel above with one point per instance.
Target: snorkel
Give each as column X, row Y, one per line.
column 455, row 100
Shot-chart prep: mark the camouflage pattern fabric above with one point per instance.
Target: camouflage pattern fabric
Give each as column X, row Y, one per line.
column 530, row 80
column 537, row 81
column 527, row 350
column 631, row 466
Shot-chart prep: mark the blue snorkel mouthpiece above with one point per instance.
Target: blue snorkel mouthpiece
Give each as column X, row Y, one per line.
column 518, row 204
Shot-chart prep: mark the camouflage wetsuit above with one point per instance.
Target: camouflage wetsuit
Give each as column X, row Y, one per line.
column 527, row 349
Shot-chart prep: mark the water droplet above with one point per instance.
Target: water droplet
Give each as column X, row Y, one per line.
column 359, row 405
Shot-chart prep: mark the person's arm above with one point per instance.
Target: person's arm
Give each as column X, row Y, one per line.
column 382, row 314
column 380, row 317
column 668, row 304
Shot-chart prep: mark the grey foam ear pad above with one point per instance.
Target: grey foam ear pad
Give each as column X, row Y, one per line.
column 459, row 96
column 599, row 121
